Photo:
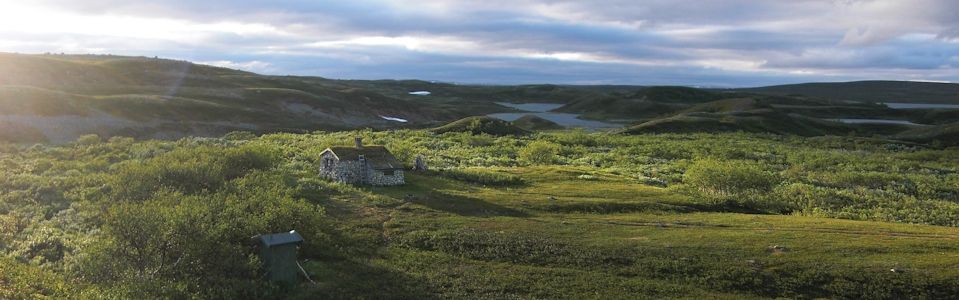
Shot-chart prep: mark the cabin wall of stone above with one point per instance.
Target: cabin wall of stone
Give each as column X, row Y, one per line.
column 358, row 172
column 351, row 171
column 378, row 177
column 328, row 170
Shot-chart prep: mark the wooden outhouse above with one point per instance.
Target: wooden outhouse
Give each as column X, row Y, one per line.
column 278, row 252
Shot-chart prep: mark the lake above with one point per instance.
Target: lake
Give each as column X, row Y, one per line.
column 875, row 121
column 542, row 110
column 920, row 106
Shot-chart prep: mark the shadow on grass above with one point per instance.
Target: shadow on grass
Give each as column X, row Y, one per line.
column 464, row 206
column 613, row 207
column 347, row 279
column 423, row 189
column 620, row 207
column 727, row 207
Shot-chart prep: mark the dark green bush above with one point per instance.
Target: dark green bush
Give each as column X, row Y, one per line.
column 736, row 186
column 539, row 153
column 189, row 171
column 178, row 245
column 726, row 178
column 23, row 281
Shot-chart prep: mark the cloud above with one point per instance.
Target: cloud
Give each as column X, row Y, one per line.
column 252, row 66
column 727, row 42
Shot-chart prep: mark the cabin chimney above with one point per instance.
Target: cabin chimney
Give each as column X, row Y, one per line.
column 359, row 142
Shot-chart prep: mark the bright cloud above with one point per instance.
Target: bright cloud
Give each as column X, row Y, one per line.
column 252, row 66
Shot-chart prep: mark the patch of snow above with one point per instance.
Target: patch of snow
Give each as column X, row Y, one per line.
column 394, row 119
column 420, row 93
column 875, row 121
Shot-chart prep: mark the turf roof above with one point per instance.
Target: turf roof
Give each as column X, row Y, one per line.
column 378, row 157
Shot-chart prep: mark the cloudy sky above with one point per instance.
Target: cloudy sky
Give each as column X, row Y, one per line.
column 687, row 42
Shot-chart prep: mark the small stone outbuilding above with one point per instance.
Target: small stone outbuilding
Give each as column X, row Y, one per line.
column 370, row 165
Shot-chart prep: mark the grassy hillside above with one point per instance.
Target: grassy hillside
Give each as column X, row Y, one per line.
column 534, row 123
column 728, row 105
column 481, row 125
column 565, row 214
column 870, row 91
column 946, row 134
column 112, row 95
column 646, row 102
column 58, row 98
column 758, row 121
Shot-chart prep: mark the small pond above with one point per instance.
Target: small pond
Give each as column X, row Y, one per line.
column 921, row 106
column 542, row 110
column 875, row 121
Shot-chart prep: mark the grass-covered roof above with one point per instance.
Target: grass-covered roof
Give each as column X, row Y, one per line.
column 378, row 157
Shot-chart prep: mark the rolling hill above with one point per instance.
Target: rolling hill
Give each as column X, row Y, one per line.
column 869, row 91
column 58, row 98
column 646, row 102
column 757, row 121
column 534, row 123
column 481, row 125
column 947, row 134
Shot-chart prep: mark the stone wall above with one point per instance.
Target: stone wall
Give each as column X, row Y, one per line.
column 377, row 177
column 351, row 171
column 357, row 172
column 328, row 170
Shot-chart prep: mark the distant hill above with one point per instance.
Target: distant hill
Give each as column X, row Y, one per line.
column 947, row 134
column 869, row 91
column 57, row 98
column 758, row 121
column 728, row 105
column 645, row 102
column 481, row 125
column 534, row 123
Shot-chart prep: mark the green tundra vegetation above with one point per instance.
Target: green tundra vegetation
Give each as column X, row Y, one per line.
column 561, row 214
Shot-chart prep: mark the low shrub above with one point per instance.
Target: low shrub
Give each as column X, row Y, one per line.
column 727, row 178
column 539, row 153
column 522, row 248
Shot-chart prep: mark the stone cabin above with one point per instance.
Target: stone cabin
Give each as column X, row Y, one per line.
column 370, row 165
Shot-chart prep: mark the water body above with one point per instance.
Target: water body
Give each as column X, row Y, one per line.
column 875, row 121
column 566, row 120
column 920, row 106
column 542, row 110
column 532, row 107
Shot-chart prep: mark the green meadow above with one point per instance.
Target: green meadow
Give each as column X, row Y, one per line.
column 561, row 214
